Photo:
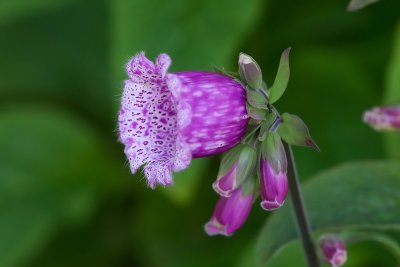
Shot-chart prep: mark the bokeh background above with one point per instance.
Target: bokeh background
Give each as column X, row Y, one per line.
column 66, row 195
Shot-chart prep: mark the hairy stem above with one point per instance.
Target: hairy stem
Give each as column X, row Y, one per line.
column 303, row 225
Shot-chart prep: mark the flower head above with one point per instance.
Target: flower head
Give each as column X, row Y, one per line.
column 333, row 250
column 383, row 118
column 165, row 118
column 231, row 212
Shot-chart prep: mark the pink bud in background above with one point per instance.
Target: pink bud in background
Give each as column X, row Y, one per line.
column 333, row 250
column 383, row 118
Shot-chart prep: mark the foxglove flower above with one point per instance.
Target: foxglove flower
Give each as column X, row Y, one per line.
column 236, row 166
column 165, row 118
column 383, row 118
column 333, row 250
column 231, row 212
column 273, row 170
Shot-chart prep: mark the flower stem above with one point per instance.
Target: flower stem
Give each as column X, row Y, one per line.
column 303, row 225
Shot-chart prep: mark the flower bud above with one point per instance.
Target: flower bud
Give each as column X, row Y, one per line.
column 236, row 166
column 231, row 212
column 249, row 71
column 333, row 250
column 273, row 170
column 383, row 118
column 295, row 132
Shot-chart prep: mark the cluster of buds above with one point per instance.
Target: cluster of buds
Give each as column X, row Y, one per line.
column 166, row 119
column 258, row 165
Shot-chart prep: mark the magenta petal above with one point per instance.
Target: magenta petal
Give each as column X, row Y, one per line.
column 230, row 213
column 226, row 184
column 274, row 187
column 218, row 107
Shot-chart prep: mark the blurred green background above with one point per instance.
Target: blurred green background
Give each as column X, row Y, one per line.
column 66, row 195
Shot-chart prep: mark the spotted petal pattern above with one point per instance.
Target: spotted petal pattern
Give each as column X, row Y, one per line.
column 165, row 119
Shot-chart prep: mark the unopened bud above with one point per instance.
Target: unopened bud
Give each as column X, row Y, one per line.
column 333, row 250
column 249, row 71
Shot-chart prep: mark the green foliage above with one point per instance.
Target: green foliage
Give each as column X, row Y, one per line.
column 346, row 197
column 392, row 93
column 40, row 197
column 282, row 78
column 66, row 195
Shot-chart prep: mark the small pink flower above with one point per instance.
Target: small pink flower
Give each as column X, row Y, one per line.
column 383, row 118
column 333, row 250
column 165, row 118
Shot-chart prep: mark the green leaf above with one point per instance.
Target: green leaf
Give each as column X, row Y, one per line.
column 53, row 171
column 12, row 10
column 196, row 34
column 256, row 99
column 364, row 195
column 281, row 78
column 355, row 5
column 392, row 94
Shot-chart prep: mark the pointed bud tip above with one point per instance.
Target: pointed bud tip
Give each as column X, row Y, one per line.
column 312, row 144
column 286, row 52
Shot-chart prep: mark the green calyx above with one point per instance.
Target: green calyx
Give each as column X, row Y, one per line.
column 244, row 157
column 266, row 127
column 273, row 151
column 295, row 132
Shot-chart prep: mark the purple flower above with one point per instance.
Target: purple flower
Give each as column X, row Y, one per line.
column 333, row 250
column 230, row 213
column 383, row 118
column 273, row 169
column 166, row 119
column 274, row 187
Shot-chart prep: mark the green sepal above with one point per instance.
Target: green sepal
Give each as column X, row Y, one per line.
column 250, row 186
column 250, row 71
column 266, row 124
column 222, row 71
column 246, row 163
column 273, row 151
column 228, row 159
column 255, row 113
column 295, row 132
column 256, row 99
column 281, row 78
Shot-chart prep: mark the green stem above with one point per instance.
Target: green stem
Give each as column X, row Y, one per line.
column 303, row 225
